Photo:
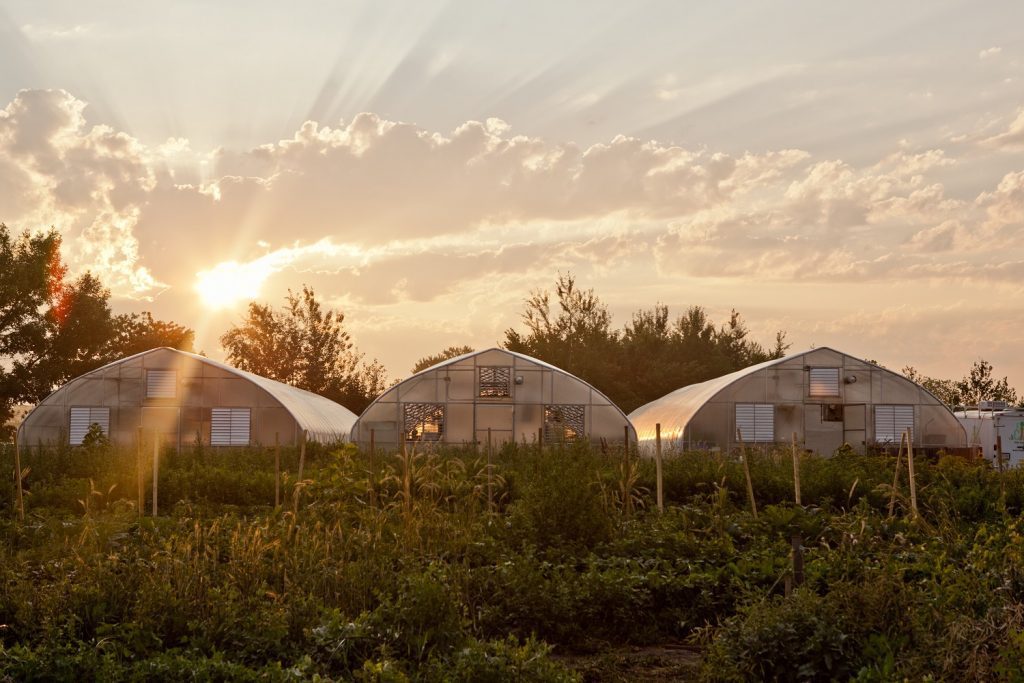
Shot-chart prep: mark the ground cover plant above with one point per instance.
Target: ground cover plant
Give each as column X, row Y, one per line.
column 548, row 565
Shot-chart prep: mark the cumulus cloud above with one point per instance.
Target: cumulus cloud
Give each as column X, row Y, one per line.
column 990, row 52
column 88, row 182
column 392, row 221
column 1012, row 137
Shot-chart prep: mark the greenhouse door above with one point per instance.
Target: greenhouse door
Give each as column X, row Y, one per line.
column 823, row 427
column 855, row 430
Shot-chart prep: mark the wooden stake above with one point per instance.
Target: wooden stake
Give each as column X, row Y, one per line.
column 373, row 468
column 798, row 559
column 910, row 472
column 657, row 467
column 139, row 476
column 277, row 470
column 746, row 473
column 1002, row 480
column 540, row 439
column 302, row 452
column 490, row 483
column 796, row 472
column 896, row 476
column 156, row 469
column 19, row 495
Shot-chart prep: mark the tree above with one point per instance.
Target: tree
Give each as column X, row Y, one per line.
column 450, row 352
column 137, row 332
column 978, row 385
column 51, row 328
column 306, row 347
column 576, row 337
column 944, row 389
column 651, row 356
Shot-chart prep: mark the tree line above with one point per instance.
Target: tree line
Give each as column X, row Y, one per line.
column 54, row 328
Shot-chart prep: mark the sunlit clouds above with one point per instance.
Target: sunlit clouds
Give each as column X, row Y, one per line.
column 853, row 177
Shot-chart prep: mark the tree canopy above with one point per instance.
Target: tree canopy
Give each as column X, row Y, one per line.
column 450, row 352
column 651, row 356
column 303, row 345
column 54, row 328
column 979, row 384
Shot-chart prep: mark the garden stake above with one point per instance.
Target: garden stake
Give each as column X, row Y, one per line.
column 490, row 483
column 373, row 468
column 896, row 477
column 798, row 559
column 20, row 498
column 657, row 467
column 302, row 453
column 796, row 472
column 746, row 473
column 277, row 470
column 910, row 472
column 156, row 468
column 141, row 482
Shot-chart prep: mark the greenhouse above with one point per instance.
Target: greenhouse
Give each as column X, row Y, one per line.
column 185, row 399
column 495, row 394
column 823, row 397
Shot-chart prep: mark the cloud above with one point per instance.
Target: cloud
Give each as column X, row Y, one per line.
column 990, row 52
column 88, row 182
column 417, row 231
column 1012, row 137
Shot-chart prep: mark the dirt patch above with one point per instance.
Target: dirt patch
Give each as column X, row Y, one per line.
column 665, row 662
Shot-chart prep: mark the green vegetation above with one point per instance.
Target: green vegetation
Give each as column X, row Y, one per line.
column 433, row 567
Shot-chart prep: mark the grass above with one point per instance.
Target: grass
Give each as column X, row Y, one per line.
column 550, row 565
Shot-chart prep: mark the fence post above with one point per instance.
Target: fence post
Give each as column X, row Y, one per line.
column 277, row 470
column 910, row 472
column 19, row 495
column 540, row 439
column 156, row 469
column 1002, row 481
column 746, row 472
column 896, row 476
column 657, row 468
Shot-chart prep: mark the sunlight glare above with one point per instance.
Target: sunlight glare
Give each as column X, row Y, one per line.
column 230, row 282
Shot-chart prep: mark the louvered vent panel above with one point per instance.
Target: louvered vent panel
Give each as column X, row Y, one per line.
column 82, row 418
column 756, row 422
column 161, row 383
column 892, row 421
column 229, row 426
column 824, row 381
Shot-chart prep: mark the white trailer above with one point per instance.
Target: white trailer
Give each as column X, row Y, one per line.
column 983, row 426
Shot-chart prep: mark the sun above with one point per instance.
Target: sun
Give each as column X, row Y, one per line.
column 229, row 283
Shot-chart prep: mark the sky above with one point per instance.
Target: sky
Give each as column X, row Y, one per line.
column 850, row 173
